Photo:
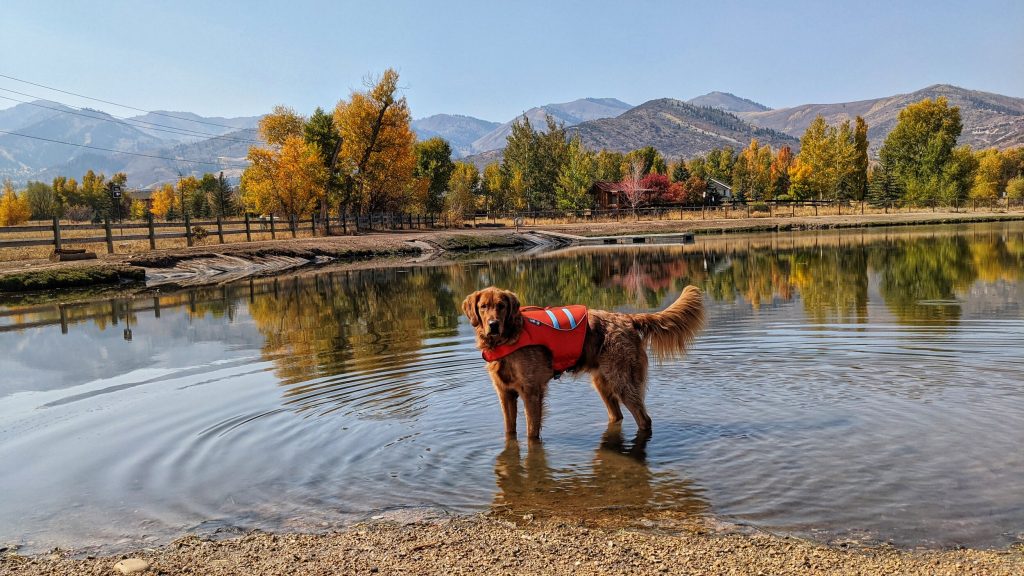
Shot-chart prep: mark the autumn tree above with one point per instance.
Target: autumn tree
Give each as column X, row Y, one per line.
column 751, row 178
column 827, row 156
column 779, row 172
column 14, row 210
column 572, row 192
column 988, row 177
column 1015, row 188
column 279, row 125
column 287, row 177
column 377, row 155
column 190, row 197
column 462, row 189
column 65, row 191
column 434, row 168
column 165, row 202
column 494, row 189
column 919, row 147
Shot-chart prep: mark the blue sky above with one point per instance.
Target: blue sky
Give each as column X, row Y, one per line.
column 495, row 59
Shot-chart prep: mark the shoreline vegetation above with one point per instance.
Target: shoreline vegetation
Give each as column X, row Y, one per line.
column 496, row 544
column 203, row 265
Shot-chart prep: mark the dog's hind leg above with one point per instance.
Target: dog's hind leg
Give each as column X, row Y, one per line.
column 632, row 388
column 604, row 389
column 636, row 407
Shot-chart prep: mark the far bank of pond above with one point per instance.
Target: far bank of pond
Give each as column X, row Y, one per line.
column 212, row 264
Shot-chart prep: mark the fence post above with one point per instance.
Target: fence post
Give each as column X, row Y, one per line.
column 152, row 231
column 327, row 223
column 56, row 234
column 248, row 231
column 293, row 225
column 110, row 238
column 188, row 231
column 312, row 220
column 220, row 230
column 273, row 234
column 343, row 215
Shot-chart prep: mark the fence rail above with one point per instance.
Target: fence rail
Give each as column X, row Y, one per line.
column 218, row 229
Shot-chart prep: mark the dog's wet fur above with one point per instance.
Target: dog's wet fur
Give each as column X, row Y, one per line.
column 614, row 353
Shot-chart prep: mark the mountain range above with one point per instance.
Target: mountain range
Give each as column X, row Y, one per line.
column 675, row 127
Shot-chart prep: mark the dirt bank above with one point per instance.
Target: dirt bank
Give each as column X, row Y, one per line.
column 490, row 545
column 213, row 263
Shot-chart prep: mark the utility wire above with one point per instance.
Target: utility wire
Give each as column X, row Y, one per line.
column 121, row 105
column 125, row 121
column 221, row 164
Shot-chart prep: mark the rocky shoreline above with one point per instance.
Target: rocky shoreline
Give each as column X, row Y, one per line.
column 495, row 545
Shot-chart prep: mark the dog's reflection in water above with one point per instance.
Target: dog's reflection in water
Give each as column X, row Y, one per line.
column 620, row 484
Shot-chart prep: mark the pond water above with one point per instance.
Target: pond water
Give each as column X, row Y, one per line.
column 859, row 384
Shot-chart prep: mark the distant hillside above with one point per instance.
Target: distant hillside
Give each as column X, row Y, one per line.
column 989, row 120
column 24, row 155
column 568, row 113
column 728, row 102
column 459, row 131
column 675, row 128
column 24, row 159
column 215, row 125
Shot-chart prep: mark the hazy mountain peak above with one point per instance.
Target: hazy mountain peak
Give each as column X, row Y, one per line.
column 728, row 102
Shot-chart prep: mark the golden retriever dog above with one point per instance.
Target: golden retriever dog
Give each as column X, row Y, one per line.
column 614, row 353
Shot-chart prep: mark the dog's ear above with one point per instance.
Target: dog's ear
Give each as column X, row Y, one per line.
column 469, row 308
column 513, row 319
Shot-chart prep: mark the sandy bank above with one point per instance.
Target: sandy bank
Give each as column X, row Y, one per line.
column 490, row 545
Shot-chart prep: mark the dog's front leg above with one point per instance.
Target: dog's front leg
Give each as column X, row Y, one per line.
column 509, row 400
column 533, row 402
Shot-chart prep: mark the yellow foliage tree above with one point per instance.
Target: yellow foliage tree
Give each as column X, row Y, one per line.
column 165, row 202
column 377, row 146
column 462, row 186
column 13, row 210
column 988, row 176
column 281, row 124
column 289, row 180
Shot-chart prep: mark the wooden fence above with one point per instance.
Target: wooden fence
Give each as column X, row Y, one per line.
column 194, row 230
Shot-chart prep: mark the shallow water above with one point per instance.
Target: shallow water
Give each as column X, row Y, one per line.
column 863, row 384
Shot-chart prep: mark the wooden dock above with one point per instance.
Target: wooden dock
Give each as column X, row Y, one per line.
column 574, row 240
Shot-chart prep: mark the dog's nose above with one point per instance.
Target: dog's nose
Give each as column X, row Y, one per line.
column 493, row 326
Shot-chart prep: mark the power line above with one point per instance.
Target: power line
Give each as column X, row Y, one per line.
column 124, row 121
column 221, row 164
column 121, row 105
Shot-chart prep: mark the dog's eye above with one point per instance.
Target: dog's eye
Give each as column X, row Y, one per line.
column 500, row 306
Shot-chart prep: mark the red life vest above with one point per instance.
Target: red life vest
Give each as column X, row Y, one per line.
column 560, row 329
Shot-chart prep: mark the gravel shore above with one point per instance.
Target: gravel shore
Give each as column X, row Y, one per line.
column 489, row 545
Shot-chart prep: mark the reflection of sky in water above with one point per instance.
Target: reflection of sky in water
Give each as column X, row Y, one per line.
column 819, row 401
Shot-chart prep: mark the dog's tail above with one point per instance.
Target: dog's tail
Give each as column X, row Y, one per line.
column 670, row 331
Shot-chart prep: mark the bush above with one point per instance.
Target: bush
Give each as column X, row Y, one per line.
column 78, row 213
column 760, row 207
